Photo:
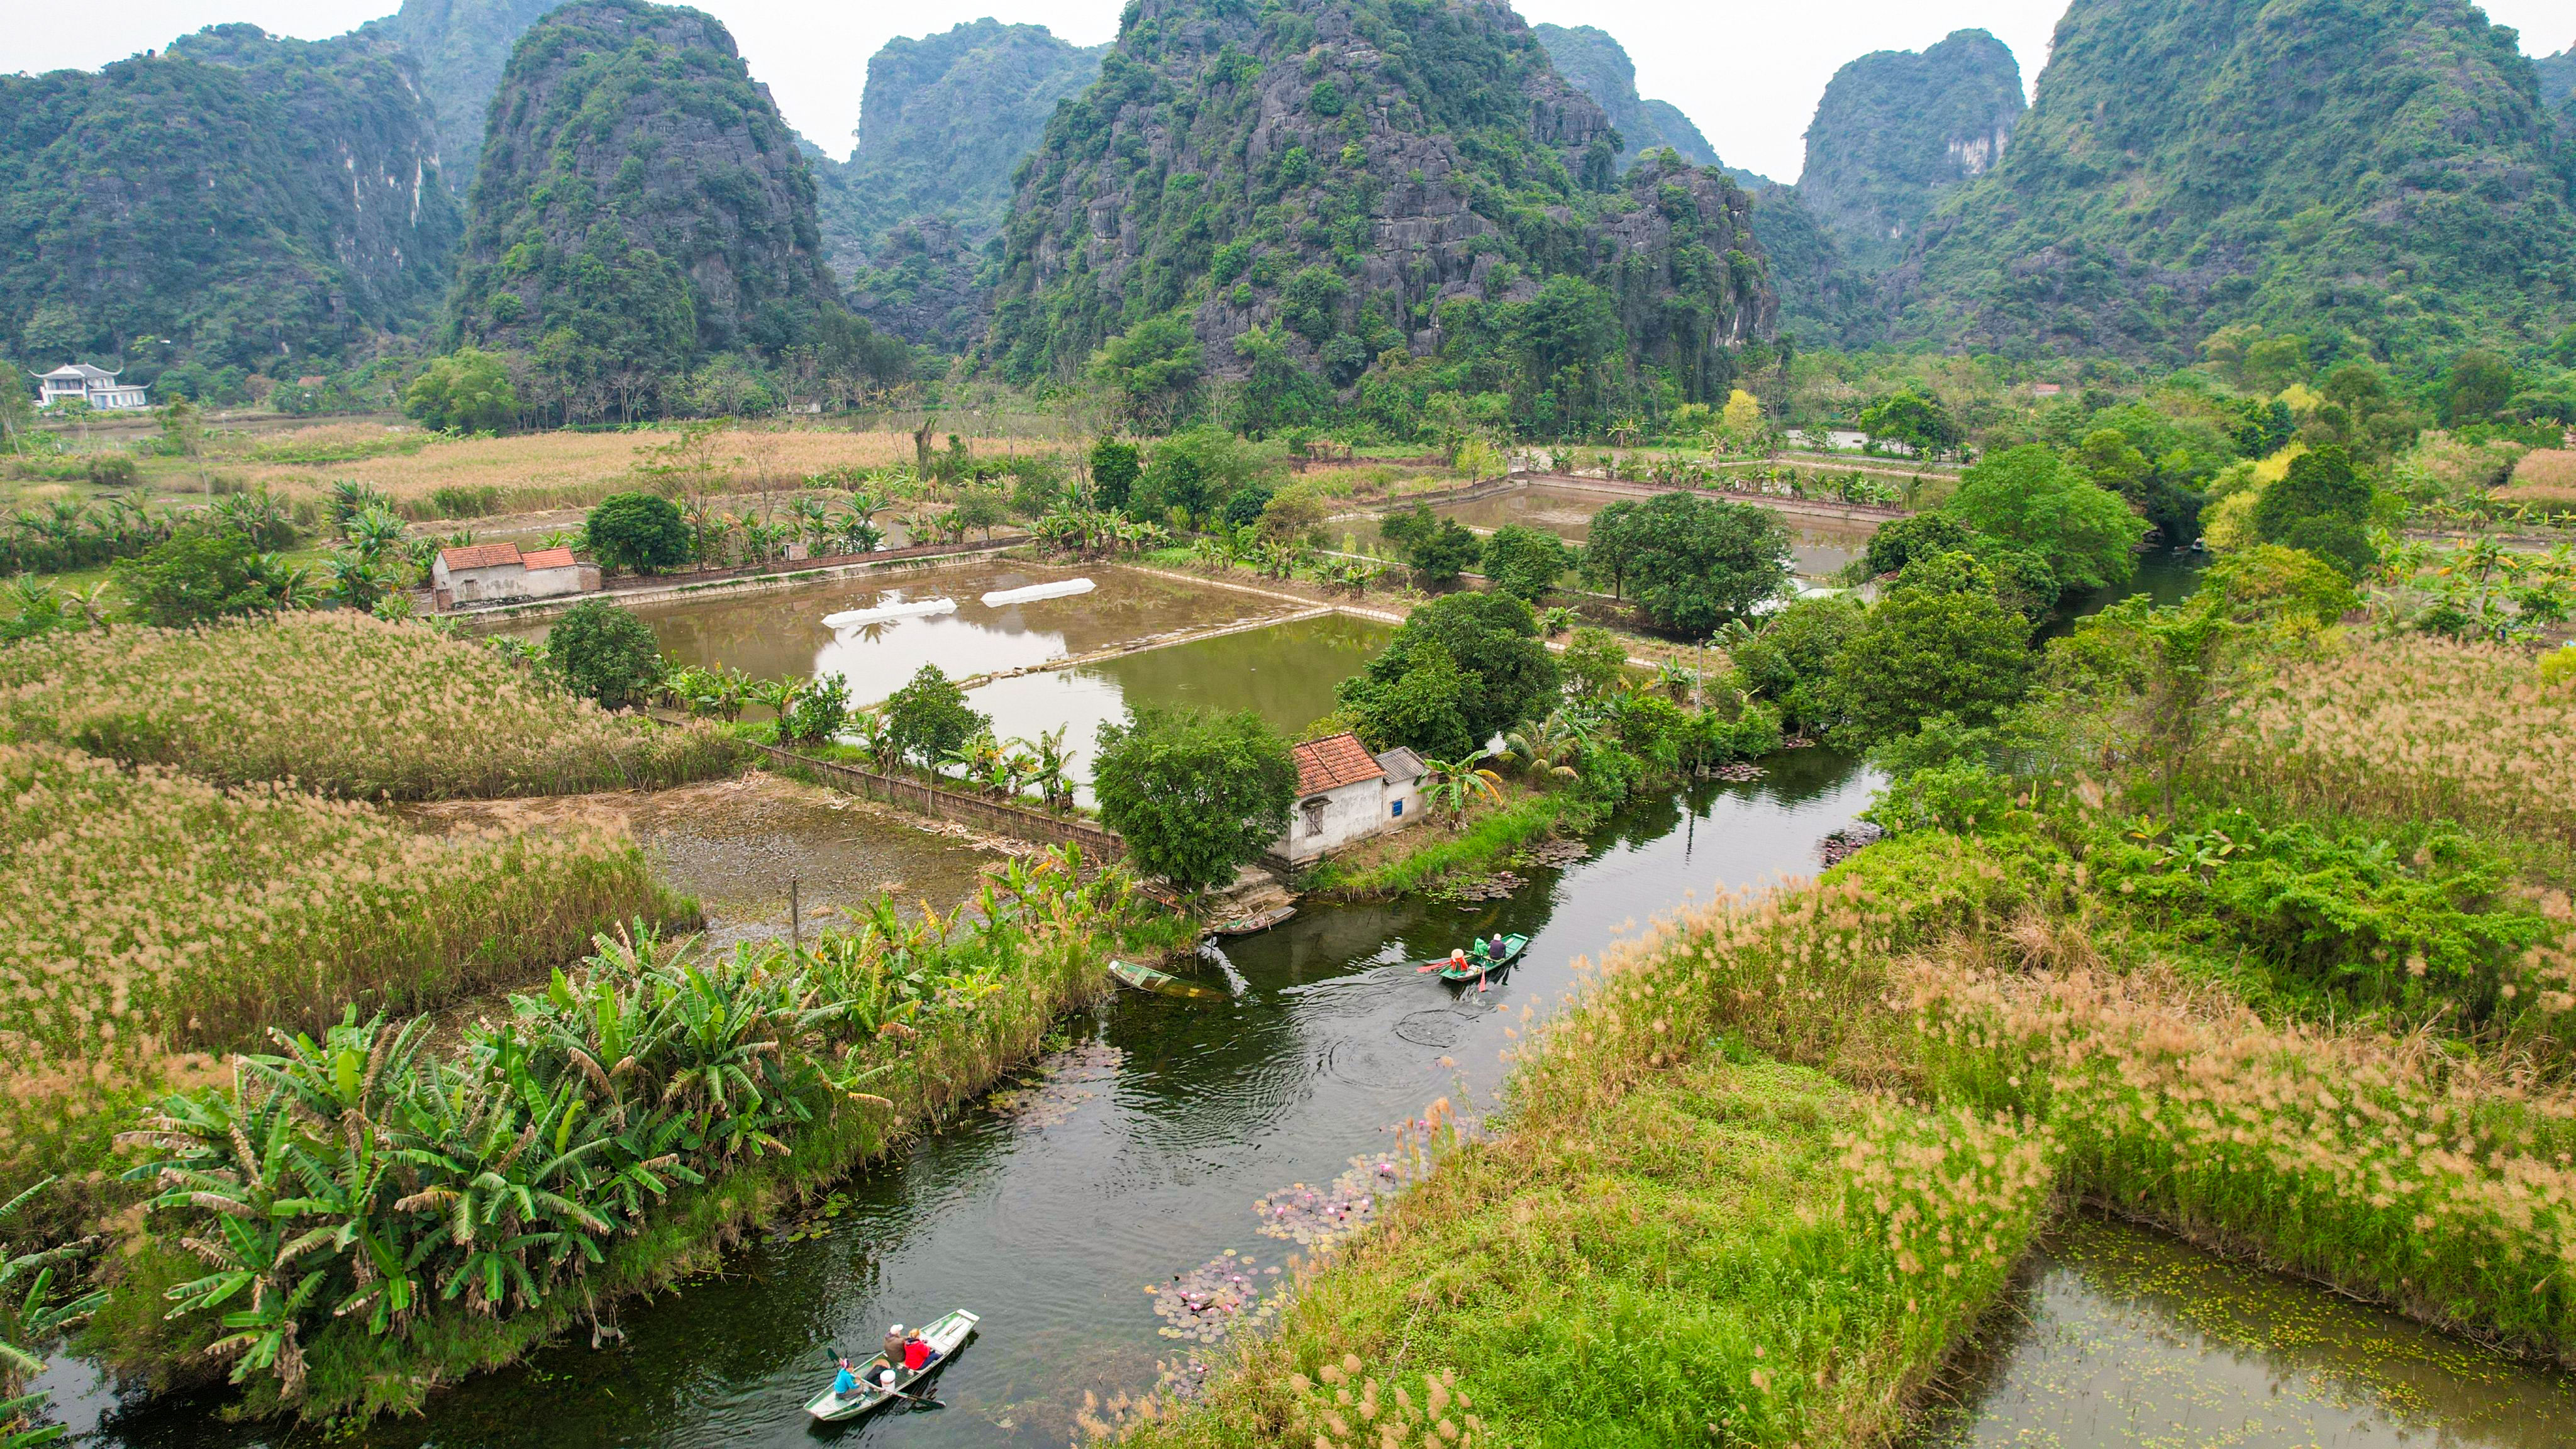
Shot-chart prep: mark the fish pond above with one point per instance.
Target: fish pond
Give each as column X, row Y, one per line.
column 1819, row 547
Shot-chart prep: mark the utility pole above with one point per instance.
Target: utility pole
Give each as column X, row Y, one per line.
column 795, row 917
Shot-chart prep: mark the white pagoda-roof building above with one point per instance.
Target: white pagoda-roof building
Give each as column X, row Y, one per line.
column 80, row 382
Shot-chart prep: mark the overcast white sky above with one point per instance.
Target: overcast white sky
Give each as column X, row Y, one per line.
column 1748, row 74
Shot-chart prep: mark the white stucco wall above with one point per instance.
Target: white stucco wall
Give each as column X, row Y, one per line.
column 1351, row 813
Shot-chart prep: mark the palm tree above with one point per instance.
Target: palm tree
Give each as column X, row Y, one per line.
column 1547, row 749
column 1452, row 785
column 1054, row 773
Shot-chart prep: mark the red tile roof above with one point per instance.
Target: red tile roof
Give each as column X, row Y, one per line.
column 1332, row 762
column 548, row 558
column 480, row 556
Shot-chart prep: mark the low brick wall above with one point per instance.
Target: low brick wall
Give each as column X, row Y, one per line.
column 992, row 816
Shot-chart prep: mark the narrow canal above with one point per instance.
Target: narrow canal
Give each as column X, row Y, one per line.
column 1071, row 1206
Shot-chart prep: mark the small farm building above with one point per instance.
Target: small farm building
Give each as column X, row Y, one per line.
column 497, row 573
column 1346, row 794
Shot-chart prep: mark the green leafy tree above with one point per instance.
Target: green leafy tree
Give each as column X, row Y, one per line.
column 1927, row 651
column 928, row 719
column 638, row 531
column 1115, row 466
column 2321, row 506
column 1153, row 367
column 1505, row 674
column 604, row 653
column 1595, row 664
column 1692, row 562
column 2032, row 498
column 1898, row 542
column 1790, row 660
column 1526, row 562
column 1914, row 420
column 1438, row 549
column 197, row 578
column 1195, row 794
column 1422, row 706
column 2477, row 387
column 467, row 391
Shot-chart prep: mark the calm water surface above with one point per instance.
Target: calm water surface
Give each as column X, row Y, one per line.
column 2120, row 1337
column 1286, row 673
column 1140, row 1159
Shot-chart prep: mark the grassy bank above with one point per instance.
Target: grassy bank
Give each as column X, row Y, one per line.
column 739, row 1084
column 1672, row 1240
column 338, row 702
column 157, row 918
column 1429, row 855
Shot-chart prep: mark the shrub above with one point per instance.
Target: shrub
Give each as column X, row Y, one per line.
column 604, row 653
column 197, row 578
column 638, row 531
column 468, row 391
column 1526, row 562
column 928, row 718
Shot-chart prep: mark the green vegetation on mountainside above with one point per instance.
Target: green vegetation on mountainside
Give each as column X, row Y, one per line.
column 945, row 120
column 459, row 48
column 1896, row 129
column 1597, row 64
column 2382, row 169
column 231, row 201
column 640, row 210
column 1363, row 207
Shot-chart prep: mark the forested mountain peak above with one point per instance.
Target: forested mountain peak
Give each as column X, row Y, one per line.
column 459, row 47
column 1350, row 194
column 239, row 198
column 944, row 120
column 2558, row 82
column 1595, row 61
column 2378, row 168
column 640, row 209
column 1896, row 129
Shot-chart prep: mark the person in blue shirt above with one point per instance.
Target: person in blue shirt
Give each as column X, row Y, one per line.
column 846, row 1382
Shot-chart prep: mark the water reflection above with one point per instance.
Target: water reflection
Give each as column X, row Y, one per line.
column 1285, row 673
column 1054, row 1225
column 2127, row 1337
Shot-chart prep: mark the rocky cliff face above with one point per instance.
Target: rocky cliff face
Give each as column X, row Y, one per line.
column 459, row 47
column 1600, row 67
column 2381, row 169
column 945, row 121
column 255, row 200
column 641, row 208
column 1319, row 184
column 921, row 286
column 1896, row 130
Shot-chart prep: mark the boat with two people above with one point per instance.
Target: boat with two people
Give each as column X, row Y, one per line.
column 869, row 1386
column 1477, row 962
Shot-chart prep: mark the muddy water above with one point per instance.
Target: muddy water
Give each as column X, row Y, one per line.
column 1820, row 547
column 2119, row 1336
column 1286, row 673
column 782, row 633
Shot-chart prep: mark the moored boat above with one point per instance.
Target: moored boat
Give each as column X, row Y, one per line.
column 943, row 1337
column 1257, row 921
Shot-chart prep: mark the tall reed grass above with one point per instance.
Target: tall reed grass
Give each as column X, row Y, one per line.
column 339, row 702
column 2415, row 728
column 155, row 918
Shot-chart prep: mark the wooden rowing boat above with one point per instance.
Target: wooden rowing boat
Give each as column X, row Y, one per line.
column 1257, row 921
column 1161, row 983
column 1513, row 946
column 943, row 1338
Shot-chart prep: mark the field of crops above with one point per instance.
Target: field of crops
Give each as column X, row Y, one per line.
column 337, row 702
column 156, row 920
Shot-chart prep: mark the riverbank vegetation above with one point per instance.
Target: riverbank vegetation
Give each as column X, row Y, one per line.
column 338, row 702
column 2242, row 919
column 160, row 921
column 379, row 1216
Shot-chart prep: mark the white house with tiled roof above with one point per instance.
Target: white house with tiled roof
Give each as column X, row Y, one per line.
column 498, row 573
column 1346, row 794
column 82, row 383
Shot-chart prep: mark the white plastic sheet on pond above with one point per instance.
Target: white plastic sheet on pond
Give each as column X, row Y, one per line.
column 852, row 618
column 1061, row 589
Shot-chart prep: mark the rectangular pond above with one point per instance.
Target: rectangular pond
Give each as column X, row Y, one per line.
column 1820, row 547
column 782, row 633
